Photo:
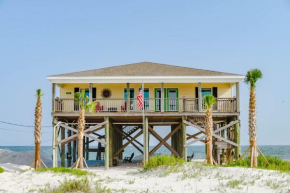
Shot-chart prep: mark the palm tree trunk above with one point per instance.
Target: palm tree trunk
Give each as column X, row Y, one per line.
column 208, row 130
column 253, row 128
column 37, row 155
column 81, row 122
column 37, row 133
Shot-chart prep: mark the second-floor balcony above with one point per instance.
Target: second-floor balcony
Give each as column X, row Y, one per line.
column 190, row 105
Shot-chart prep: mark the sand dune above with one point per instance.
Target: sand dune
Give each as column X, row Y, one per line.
column 190, row 177
column 19, row 158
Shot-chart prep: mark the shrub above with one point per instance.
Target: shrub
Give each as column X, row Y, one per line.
column 1, row 170
column 275, row 163
column 166, row 160
column 76, row 172
column 75, row 185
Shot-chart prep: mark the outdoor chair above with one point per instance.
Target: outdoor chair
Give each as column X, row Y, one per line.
column 128, row 159
column 189, row 158
column 99, row 107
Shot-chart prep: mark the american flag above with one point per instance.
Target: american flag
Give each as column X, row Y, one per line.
column 140, row 98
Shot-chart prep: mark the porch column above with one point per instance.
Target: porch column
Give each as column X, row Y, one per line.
column 199, row 98
column 237, row 138
column 238, row 96
column 107, row 138
column 128, row 97
column 91, row 92
column 162, row 97
column 53, row 97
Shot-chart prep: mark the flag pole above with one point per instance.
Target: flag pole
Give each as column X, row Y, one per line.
column 144, row 130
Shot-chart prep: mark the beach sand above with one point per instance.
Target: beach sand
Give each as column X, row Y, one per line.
column 191, row 177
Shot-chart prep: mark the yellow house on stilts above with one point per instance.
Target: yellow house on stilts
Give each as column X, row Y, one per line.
column 172, row 97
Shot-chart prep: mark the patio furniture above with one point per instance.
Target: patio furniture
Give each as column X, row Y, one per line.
column 128, row 159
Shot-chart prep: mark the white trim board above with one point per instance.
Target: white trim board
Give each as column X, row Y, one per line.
column 146, row 79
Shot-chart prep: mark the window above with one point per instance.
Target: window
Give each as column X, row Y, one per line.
column 205, row 91
column 132, row 95
column 146, row 98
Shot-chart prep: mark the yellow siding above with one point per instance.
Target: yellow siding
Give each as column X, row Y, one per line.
column 186, row 89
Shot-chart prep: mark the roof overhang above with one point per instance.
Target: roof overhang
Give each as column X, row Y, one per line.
column 145, row 79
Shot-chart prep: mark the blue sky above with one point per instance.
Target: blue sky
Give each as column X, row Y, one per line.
column 41, row 38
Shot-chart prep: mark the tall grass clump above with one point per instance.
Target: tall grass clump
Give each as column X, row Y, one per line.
column 74, row 185
column 1, row 170
column 65, row 170
column 165, row 160
column 275, row 163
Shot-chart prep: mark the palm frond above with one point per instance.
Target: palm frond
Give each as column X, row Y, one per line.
column 77, row 98
column 209, row 101
column 39, row 93
column 252, row 77
column 91, row 106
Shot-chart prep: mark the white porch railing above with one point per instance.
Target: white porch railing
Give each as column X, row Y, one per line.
column 150, row 105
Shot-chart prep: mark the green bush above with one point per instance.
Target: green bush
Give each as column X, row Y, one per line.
column 275, row 163
column 76, row 172
column 1, row 170
column 75, row 185
column 166, row 160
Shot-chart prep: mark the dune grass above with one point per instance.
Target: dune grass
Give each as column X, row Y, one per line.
column 76, row 172
column 1, row 170
column 74, row 185
column 275, row 164
column 165, row 160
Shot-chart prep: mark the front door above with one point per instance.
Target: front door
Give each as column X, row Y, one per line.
column 170, row 99
column 158, row 99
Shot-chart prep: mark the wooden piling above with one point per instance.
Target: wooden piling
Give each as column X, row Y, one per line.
column 173, row 138
column 121, row 142
column 54, row 153
column 107, row 139
column 237, row 138
column 74, row 157
column 87, row 148
column 146, row 141
column 111, row 144
column 183, row 140
column 69, row 150
column 62, row 150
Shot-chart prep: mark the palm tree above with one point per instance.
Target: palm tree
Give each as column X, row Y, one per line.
column 37, row 129
column 251, row 78
column 84, row 105
column 209, row 101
